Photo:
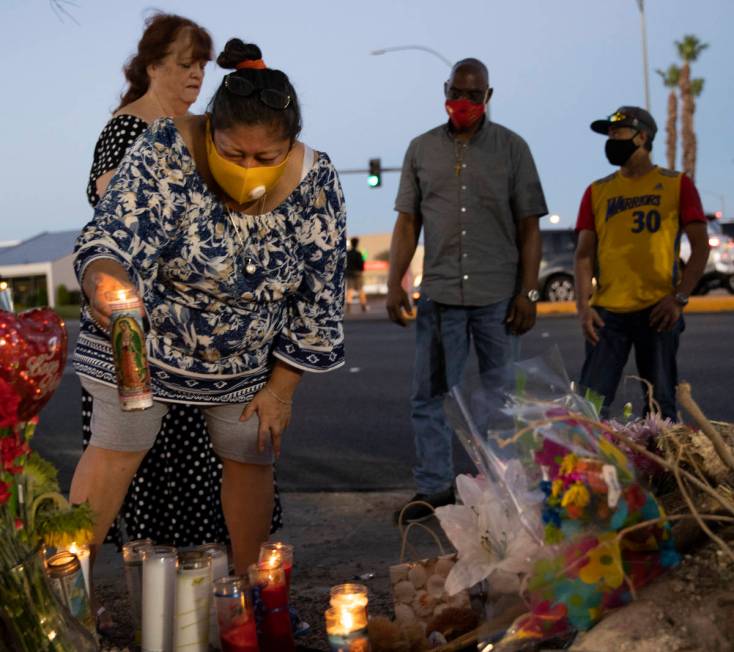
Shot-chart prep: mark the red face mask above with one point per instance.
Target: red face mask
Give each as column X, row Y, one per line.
column 464, row 113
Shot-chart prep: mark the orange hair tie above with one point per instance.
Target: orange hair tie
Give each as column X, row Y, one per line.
column 258, row 64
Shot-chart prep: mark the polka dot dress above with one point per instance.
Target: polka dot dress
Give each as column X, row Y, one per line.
column 175, row 496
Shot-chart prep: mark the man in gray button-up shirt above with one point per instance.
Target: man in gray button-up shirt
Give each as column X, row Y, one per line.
column 472, row 187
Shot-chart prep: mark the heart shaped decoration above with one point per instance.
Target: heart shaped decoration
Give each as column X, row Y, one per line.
column 32, row 356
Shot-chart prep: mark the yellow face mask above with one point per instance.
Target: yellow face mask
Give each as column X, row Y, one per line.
column 244, row 185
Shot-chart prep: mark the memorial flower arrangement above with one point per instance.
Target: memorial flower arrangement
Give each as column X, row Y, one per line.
column 33, row 514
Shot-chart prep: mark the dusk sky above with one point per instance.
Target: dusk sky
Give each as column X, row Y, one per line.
column 555, row 67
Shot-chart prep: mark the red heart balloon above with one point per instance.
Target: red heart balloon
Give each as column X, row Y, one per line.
column 32, row 356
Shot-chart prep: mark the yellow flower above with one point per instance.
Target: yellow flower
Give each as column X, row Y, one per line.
column 605, row 563
column 556, row 488
column 577, row 495
column 614, row 455
column 568, row 464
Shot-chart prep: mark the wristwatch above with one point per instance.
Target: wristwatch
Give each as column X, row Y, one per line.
column 681, row 299
column 532, row 295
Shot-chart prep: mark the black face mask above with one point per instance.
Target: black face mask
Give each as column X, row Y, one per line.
column 619, row 151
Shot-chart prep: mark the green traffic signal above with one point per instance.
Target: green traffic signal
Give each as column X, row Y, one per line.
column 373, row 181
column 374, row 178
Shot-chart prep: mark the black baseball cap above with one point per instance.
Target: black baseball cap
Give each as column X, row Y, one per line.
column 627, row 116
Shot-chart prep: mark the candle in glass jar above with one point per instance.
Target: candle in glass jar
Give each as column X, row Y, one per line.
column 193, row 598
column 159, row 595
column 278, row 553
column 129, row 350
column 346, row 629
column 348, row 596
column 235, row 615
column 132, row 558
column 277, row 632
column 82, row 554
column 220, row 568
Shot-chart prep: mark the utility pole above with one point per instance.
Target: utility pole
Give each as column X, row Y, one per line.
column 645, row 67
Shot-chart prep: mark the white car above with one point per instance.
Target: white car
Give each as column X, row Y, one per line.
column 719, row 272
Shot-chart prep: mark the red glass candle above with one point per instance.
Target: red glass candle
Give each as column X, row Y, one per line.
column 236, row 620
column 278, row 553
column 276, row 630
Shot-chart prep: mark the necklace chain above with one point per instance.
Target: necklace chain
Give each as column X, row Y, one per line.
column 236, row 227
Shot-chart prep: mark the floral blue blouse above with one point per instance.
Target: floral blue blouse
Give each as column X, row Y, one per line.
column 218, row 311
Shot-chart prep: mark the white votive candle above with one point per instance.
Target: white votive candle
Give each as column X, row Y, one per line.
column 193, row 601
column 220, row 568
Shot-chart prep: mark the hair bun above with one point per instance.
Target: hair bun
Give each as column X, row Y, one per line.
column 236, row 51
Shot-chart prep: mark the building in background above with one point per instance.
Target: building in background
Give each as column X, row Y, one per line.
column 375, row 248
column 35, row 269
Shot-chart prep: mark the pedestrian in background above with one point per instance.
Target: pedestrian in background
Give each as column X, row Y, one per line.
column 472, row 187
column 355, row 275
column 629, row 227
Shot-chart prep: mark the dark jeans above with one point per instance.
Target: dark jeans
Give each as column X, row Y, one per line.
column 655, row 355
column 443, row 338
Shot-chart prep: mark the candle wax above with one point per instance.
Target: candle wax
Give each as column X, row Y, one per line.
column 241, row 638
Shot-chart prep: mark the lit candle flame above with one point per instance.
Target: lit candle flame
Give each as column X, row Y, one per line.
column 346, row 619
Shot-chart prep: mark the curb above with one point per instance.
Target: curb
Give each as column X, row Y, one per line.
column 695, row 305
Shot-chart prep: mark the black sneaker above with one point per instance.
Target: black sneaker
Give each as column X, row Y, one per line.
column 416, row 513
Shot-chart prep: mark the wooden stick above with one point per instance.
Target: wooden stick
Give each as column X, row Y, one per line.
column 685, row 398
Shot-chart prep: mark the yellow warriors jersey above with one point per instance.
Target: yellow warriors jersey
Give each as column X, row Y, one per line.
column 638, row 224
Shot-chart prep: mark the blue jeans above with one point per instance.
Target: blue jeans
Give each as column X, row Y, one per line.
column 443, row 336
column 655, row 355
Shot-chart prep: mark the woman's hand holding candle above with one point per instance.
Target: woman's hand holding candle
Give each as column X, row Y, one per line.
column 102, row 278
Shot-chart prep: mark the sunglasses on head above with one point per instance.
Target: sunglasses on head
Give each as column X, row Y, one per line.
column 270, row 97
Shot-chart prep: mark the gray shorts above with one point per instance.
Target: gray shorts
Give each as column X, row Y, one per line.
column 116, row 430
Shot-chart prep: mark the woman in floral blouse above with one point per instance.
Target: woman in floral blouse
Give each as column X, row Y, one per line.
column 232, row 232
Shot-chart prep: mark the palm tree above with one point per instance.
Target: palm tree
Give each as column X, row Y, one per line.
column 670, row 78
column 689, row 49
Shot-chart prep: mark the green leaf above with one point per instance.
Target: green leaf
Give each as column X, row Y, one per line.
column 596, row 400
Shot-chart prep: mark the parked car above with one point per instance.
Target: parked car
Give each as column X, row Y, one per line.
column 719, row 271
column 556, row 267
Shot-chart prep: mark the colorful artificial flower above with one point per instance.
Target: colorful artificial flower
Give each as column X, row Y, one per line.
column 582, row 601
column 604, row 563
column 568, row 464
column 550, row 456
column 577, row 495
column 616, row 457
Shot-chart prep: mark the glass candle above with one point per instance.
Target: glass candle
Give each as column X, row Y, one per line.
column 159, row 596
column 346, row 629
column 235, row 615
column 279, row 553
column 129, row 351
column 65, row 576
column 220, row 568
column 270, row 589
column 82, row 553
column 348, row 596
column 132, row 558
column 193, row 599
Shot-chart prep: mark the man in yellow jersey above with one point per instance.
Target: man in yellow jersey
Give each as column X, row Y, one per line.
column 629, row 226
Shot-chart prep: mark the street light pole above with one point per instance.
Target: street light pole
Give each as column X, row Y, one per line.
column 643, row 28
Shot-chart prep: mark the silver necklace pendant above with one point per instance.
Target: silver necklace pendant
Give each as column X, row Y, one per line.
column 250, row 267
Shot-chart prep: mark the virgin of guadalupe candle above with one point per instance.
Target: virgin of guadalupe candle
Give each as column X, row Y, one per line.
column 235, row 615
column 270, row 589
column 159, row 596
column 346, row 629
column 66, row 578
column 132, row 558
column 220, row 568
column 278, row 553
column 193, row 599
column 82, row 554
column 128, row 349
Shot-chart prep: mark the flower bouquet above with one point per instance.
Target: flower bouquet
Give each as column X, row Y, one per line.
column 32, row 512
column 565, row 511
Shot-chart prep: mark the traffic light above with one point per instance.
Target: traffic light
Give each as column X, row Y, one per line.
column 374, row 180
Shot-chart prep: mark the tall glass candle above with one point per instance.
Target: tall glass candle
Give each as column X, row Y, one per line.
column 65, row 576
column 193, row 599
column 346, row 629
column 220, row 568
column 235, row 615
column 159, row 595
column 270, row 589
column 132, row 558
column 278, row 553
column 129, row 351
column 82, row 553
